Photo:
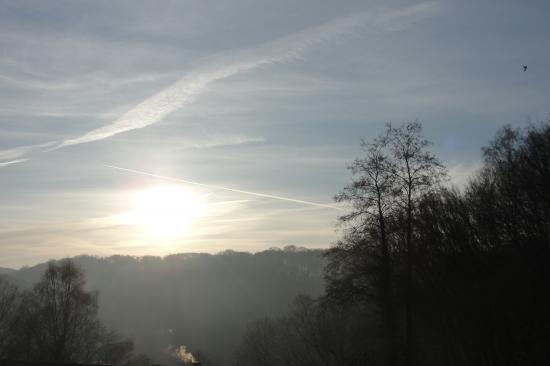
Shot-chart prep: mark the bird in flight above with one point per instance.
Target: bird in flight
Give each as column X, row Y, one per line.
column 524, row 68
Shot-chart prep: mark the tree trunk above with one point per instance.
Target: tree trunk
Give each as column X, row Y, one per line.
column 409, row 302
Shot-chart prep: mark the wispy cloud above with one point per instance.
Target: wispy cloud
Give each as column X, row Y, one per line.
column 21, row 151
column 160, row 105
column 183, row 91
column 157, row 107
column 461, row 173
column 11, row 162
column 98, row 80
column 225, row 141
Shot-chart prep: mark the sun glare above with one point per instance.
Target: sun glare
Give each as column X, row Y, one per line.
column 167, row 211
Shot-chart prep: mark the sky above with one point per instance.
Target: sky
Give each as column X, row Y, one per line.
column 244, row 114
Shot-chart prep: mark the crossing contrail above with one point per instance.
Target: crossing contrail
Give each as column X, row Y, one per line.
column 257, row 194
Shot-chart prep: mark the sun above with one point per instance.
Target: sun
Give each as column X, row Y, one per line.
column 167, row 211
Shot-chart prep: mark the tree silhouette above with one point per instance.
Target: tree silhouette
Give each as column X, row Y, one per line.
column 9, row 298
column 417, row 172
column 66, row 315
column 57, row 321
column 387, row 185
column 372, row 195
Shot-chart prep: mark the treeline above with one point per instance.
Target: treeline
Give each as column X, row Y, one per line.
column 201, row 301
column 425, row 274
column 57, row 321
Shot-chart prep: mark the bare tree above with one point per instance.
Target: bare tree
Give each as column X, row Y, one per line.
column 65, row 315
column 387, row 184
column 57, row 321
column 417, row 172
column 372, row 197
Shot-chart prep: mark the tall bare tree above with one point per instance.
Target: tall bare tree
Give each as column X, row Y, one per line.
column 417, row 171
column 387, row 183
column 371, row 195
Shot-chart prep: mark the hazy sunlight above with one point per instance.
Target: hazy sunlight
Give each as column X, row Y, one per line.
column 167, row 211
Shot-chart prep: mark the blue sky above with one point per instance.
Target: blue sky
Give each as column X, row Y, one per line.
column 263, row 96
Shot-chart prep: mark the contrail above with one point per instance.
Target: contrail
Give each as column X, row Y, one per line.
column 263, row 195
column 21, row 151
column 183, row 91
column 11, row 162
column 158, row 106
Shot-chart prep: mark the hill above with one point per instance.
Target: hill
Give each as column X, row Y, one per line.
column 6, row 271
column 199, row 300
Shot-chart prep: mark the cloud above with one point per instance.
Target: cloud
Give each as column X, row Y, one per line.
column 160, row 105
column 20, row 151
column 461, row 173
column 11, row 162
column 225, row 141
column 157, row 107
column 100, row 81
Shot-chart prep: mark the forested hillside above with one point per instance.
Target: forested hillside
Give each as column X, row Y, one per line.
column 202, row 301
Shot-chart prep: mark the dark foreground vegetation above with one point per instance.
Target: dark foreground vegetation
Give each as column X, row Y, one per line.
column 57, row 321
column 427, row 275
column 424, row 275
